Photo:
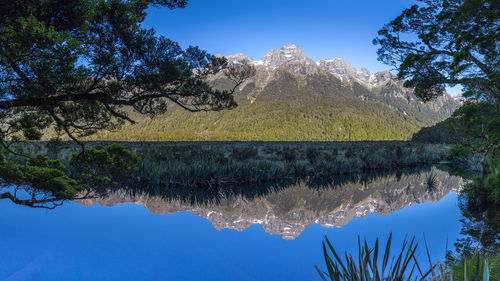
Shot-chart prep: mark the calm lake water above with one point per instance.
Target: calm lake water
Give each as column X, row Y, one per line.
column 274, row 235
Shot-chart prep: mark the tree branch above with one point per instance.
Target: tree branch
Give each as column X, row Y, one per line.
column 33, row 203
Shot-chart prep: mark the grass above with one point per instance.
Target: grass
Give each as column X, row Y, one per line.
column 404, row 265
column 431, row 182
column 211, row 164
column 480, row 267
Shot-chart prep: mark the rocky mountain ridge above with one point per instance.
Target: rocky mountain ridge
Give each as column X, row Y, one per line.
column 291, row 55
column 290, row 211
column 291, row 58
column 293, row 98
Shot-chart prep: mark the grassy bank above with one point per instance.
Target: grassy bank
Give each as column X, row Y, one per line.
column 209, row 164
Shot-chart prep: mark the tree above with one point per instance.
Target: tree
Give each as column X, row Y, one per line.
column 446, row 42
column 455, row 42
column 80, row 66
column 77, row 65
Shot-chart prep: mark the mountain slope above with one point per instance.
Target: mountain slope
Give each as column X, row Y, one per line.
column 293, row 98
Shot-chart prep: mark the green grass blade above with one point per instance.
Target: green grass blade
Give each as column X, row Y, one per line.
column 374, row 265
column 328, row 262
column 321, row 274
column 335, row 254
column 386, row 254
column 486, row 271
column 428, row 256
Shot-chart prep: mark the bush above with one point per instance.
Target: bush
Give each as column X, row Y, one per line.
column 350, row 152
column 244, row 153
column 288, row 154
column 114, row 161
column 458, row 151
column 368, row 267
column 312, row 154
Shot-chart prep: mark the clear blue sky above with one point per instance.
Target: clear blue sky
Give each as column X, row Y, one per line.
column 321, row 28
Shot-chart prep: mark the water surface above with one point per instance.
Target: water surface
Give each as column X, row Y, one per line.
column 274, row 234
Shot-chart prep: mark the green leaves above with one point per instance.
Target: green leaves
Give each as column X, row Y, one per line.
column 477, row 125
column 366, row 268
column 82, row 66
column 41, row 174
column 438, row 43
column 112, row 163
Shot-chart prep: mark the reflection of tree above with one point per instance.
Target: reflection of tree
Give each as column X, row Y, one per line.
column 480, row 222
column 214, row 195
column 478, row 228
column 36, row 198
column 39, row 198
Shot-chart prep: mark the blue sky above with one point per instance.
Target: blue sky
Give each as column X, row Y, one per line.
column 321, row 28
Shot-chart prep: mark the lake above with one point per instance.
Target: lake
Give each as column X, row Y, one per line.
column 271, row 234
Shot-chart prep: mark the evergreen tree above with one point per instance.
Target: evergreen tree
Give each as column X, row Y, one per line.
column 81, row 66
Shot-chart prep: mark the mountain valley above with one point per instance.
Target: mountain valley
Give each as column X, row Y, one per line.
column 293, row 98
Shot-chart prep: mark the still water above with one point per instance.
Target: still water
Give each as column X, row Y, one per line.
column 273, row 235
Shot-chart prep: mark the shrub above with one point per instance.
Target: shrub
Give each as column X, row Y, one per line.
column 399, row 153
column 244, row 153
column 288, row 154
column 349, row 153
column 367, row 267
column 113, row 161
column 312, row 154
column 458, row 151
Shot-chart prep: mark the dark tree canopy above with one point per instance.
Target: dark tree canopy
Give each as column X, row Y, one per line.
column 80, row 66
column 77, row 65
column 436, row 43
column 446, row 42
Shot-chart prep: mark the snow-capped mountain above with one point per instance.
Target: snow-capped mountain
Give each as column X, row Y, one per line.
column 381, row 86
column 293, row 98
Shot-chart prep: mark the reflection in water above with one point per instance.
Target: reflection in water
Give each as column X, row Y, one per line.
column 477, row 229
column 287, row 209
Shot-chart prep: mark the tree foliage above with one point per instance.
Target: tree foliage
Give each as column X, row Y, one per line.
column 112, row 163
column 446, row 42
column 82, row 66
column 477, row 125
column 436, row 43
column 44, row 180
column 77, row 65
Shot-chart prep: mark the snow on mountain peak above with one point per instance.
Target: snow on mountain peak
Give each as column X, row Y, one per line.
column 292, row 57
column 288, row 53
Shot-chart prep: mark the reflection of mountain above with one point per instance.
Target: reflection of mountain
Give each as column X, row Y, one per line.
column 289, row 211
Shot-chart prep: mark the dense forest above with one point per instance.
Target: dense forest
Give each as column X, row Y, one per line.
column 294, row 107
column 325, row 120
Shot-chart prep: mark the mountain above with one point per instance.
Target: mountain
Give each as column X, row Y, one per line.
column 288, row 212
column 293, row 98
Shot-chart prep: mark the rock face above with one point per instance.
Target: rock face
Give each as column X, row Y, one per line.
column 289, row 58
column 288, row 212
column 293, row 98
column 380, row 86
column 289, row 55
column 339, row 66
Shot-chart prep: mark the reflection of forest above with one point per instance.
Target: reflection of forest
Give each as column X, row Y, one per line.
column 287, row 209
